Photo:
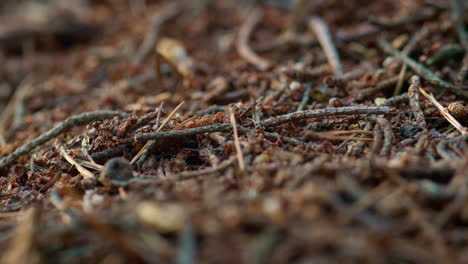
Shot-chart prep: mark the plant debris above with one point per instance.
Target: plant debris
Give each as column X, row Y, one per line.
column 233, row 131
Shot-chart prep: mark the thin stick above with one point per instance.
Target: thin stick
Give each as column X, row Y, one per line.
column 344, row 132
column 155, row 127
column 243, row 47
column 142, row 121
column 277, row 136
column 268, row 122
column 388, row 135
column 421, row 70
column 413, row 95
column 62, row 127
column 240, row 156
column 305, row 97
column 401, row 79
column 181, row 125
column 149, row 143
column 109, row 153
column 86, row 173
column 169, row 117
column 457, row 12
column 388, row 23
column 461, row 75
column 90, row 165
column 152, row 38
column 183, row 133
column 445, row 113
column 336, row 138
column 402, row 98
column 414, row 41
column 325, row 39
column 378, row 141
column 332, row 111
column 11, row 107
column 158, row 116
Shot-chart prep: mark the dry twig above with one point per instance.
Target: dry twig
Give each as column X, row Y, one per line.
column 305, row 97
column 422, row 70
column 445, row 113
column 388, row 135
column 326, row 41
column 243, row 41
column 413, row 95
column 62, row 127
column 351, row 110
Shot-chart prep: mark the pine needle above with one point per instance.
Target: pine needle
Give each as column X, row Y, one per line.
column 86, row 173
column 149, row 143
column 421, row 70
column 240, row 157
column 445, row 113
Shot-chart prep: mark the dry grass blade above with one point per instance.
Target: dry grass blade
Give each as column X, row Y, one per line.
column 401, row 76
column 90, row 165
column 181, row 125
column 169, row 117
column 243, row 41
column 86, row 173
column 326, row 41
column 240, row 156
column 445, row 113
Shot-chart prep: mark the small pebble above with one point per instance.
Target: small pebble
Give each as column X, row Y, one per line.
column 116, row 172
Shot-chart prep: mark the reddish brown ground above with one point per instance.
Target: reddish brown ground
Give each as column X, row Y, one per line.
column 331, row 189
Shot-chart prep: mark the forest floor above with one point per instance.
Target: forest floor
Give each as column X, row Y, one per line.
column 233, row 131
